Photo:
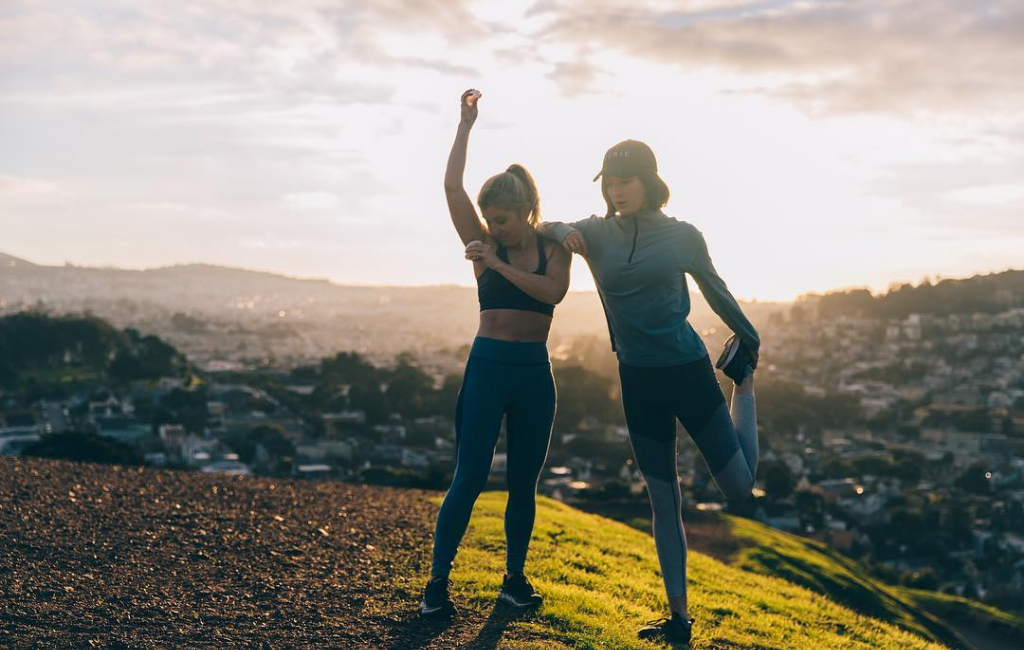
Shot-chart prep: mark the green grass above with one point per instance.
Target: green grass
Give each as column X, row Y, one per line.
column 822, row 569
column 956, row 607
column 601, row 581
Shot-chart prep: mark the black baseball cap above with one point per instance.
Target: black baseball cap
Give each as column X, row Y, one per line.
column 628, row 158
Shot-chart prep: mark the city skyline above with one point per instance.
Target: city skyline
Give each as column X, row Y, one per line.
column 819, row 146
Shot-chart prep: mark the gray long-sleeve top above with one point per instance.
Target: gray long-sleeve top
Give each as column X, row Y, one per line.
column 639, row 264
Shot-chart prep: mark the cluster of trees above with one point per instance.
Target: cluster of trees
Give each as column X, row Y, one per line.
column 347, row 381
column 266, row 447
column 84, row 447
column 34, row 342
column 984, row 293
column 783, row 406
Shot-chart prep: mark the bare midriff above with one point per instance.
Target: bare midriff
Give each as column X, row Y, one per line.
column 514, row 325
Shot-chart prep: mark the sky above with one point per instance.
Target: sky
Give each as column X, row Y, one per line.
column 817, row 145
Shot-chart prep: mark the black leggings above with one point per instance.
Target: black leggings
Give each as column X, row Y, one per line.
column 653, row 398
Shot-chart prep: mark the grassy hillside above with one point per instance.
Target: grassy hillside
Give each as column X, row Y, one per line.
column 601, row 582
column 824, row 570
column 977, row 620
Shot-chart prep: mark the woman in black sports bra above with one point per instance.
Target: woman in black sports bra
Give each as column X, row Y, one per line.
column 520, row 278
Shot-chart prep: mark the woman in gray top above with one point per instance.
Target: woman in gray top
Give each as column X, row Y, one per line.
column 639, row 258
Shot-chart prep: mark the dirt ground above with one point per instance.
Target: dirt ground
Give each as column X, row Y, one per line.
column 95, row 556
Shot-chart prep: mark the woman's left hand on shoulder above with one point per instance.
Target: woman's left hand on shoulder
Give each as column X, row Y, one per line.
column 574, row 243
column 478, row 251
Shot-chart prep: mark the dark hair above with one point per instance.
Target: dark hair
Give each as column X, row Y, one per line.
column 655, row 191
column 513, row 189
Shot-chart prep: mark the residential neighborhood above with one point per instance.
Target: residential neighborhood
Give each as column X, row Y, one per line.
column 899, row 442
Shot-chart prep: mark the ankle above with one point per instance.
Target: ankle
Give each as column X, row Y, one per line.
column 747, row 386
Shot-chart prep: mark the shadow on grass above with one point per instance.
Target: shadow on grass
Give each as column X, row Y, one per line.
column 417, row 633
column 494, row 629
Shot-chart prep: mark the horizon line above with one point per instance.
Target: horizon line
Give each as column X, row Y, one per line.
column 936, row 278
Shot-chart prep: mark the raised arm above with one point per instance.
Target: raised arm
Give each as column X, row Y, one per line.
column 549, row 288
column 460, row 207
column 712, row 286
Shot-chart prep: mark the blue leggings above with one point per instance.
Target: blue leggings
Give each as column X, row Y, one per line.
column 502, row 379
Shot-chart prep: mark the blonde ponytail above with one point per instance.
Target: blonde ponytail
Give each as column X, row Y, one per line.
column 513, row 189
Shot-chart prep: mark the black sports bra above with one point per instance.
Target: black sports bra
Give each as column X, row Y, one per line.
column 496, row 292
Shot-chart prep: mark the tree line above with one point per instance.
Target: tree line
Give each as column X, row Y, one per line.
column 32, row 343
column 992, row 293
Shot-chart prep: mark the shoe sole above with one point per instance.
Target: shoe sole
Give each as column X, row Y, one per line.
column 510, row 599
column 662, row 639
column 435, row 611
column 728, row 354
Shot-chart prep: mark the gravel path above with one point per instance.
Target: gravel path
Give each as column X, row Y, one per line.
column 95, row 556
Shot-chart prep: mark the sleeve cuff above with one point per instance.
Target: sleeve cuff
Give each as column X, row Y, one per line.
column 561, row 231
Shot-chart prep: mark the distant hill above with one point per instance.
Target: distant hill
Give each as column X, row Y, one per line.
column 994, row 292
column 8, row 262
column 213, row 312
column 143, row 557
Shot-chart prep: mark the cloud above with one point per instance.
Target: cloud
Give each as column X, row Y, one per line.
column 835, row 57
column 24, row 186
column 177, row 210
column 966, row 196
column 991, row 194
column 263, row 244
column 312, row 201
column 576, row 77
column 115, row 51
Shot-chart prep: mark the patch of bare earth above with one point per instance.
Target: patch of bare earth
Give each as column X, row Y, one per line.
column 114, row 557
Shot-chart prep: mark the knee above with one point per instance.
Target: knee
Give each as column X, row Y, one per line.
column 521, row 486
column 468, row 483
column 736, row 488
column 663, row 499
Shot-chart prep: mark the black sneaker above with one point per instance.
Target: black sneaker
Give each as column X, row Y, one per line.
column 673, row 630
column 518, row 592
column 736, row 360
column 436, row 601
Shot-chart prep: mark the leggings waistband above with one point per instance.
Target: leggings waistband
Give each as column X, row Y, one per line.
column 516, row 353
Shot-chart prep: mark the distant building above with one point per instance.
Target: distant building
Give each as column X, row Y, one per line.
column 323, row 449
column 121, row 428
column 314, row 471
column 334, row 423
column 833, row 489
column 172, row 435
column 227, row 467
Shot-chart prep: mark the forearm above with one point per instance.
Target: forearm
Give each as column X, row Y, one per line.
column 554, row 230
column 540, row 287
column 724, row 304
column 457, row 159
column 698, row 264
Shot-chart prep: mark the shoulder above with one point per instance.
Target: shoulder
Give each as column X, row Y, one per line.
column 686, row 231
column 688, row 242
column 681, row 226
column 554, row 251
column 590, row 223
